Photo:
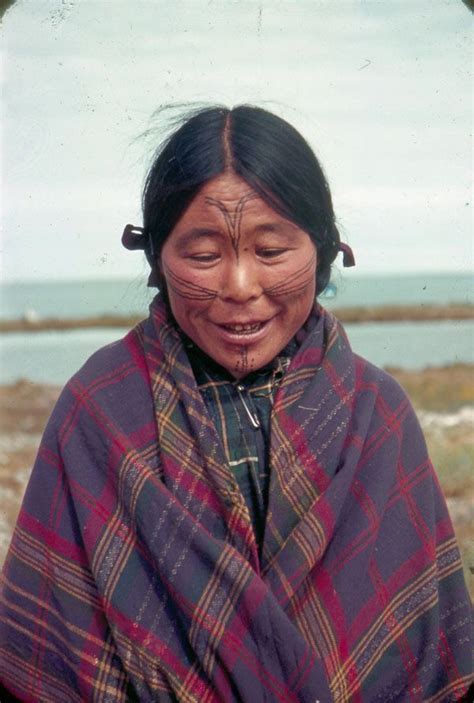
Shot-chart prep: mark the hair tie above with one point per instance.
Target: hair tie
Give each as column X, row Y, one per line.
column 137, row 238
column 348, row 258
column 134, row 238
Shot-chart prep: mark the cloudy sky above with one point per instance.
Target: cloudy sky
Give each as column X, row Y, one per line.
column 382, row 90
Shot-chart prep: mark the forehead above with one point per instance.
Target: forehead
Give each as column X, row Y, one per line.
column 227, row 194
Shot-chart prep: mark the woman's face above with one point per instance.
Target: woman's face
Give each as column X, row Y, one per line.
column 241, row 279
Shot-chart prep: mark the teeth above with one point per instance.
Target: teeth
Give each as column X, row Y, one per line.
column 244, row 328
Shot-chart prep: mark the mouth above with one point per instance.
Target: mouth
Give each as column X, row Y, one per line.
column 243, row 330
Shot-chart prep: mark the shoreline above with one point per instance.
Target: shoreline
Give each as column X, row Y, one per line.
column 385, row 313
column 440, row 389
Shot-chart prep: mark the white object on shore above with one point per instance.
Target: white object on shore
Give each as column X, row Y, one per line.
column 464, row 415
column 31, row 315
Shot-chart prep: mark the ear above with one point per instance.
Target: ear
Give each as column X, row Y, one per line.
column 157, row 277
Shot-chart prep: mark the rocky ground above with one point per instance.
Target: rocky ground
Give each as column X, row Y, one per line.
column 444, row 399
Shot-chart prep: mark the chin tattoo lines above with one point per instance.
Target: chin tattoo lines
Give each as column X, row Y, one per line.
column 244, row 365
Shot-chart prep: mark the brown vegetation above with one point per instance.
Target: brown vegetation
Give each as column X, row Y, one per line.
column 392, row 313
column 440, row 389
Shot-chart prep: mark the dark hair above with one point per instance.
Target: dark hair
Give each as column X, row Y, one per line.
column 265, row 151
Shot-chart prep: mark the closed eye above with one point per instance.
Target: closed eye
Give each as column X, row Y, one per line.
column 270, row 253
column 204, row 258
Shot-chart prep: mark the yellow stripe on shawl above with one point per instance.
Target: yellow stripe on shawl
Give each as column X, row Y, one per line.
column 456, row 687
column 31, row 689
column 66, row 573
column 351, row 663
column 209, row 600
column 44, row 643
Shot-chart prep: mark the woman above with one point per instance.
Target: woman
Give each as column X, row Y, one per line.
column 228, row 504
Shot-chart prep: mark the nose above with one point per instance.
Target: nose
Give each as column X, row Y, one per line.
column 241, row 281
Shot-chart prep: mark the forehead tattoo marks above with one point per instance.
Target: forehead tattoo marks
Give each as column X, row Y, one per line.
column 188, row 289
column 233, row 220
column 296, row 283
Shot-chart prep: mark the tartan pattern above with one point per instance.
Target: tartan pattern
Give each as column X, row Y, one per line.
column 245, row 447
column 131, row 577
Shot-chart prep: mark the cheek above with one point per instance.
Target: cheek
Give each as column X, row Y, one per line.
column 296, row 283
column 185, row 309
column 300, row 304
column 184, row 286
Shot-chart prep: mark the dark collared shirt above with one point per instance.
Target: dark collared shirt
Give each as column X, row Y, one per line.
column 241, row 411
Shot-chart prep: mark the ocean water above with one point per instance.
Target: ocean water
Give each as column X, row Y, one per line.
column 122, row 297
column 53, row 356
column 74, row 299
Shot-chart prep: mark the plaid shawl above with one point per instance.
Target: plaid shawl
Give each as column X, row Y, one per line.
column 133, row 573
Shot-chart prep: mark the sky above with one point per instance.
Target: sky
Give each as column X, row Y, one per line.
column 381, row 90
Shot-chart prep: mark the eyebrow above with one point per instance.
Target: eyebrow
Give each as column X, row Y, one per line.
column 195, row 233
column 276, row 227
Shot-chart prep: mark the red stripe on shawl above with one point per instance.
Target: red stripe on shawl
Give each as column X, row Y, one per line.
column 144, row 435
column 302, row 669
column 444, row 529
column 417, row 520
column 367, row 535
column 59, row 501
column 94, row 504
column 206, row 494
column 201, row 490
column 134, row 345
column 393, row 416
column 397, row 581
column 393, row 423
column 119, row 440
column 385, row 596
column 409, row 481
column 339, row 388
column 137, row 634
column 50, row 457
column 306, row 357
column 231, row 642
column 62, row 547
column 300, row 674
column 332, row 605
column 19, row 695
column 51, row 538
column 230, row 647
column 315, row 471
column 446, row 655
column 86, row 392
column 366, row 503
column 325, row 517
column 79, row 391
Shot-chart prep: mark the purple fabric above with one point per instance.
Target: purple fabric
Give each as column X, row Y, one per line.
column 133, row 573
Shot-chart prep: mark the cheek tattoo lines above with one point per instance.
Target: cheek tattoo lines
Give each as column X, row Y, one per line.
column 296, row 283
column 188, row 289
column 233, row 220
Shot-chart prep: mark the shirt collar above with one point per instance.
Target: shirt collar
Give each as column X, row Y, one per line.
column 205, row 368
